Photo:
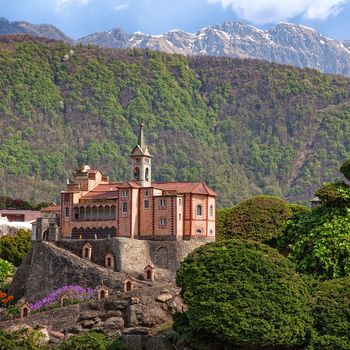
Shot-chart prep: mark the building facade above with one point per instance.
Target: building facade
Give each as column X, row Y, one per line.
column 94, row 208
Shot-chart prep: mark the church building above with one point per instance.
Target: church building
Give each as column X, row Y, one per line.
column 92, row 207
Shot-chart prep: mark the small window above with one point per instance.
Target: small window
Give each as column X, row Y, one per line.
column 162, row 222
column 199, row 231
column 211, row 211
column 67, row 212
column 147, row 174
column 211, row 231
column 199, row 210
column 162, row 203
column 180, row 216
column 146, row 204
column 180, row 202
column 146, row 193
column 137, row 160
column 137, row 173
column 125, row 194
column 124, row 207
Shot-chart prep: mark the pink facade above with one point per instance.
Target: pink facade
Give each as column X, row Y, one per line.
column 92, row 207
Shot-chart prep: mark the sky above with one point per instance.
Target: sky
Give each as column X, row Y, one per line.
column 78, row 18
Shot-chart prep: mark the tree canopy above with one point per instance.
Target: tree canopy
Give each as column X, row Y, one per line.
column 257, row 300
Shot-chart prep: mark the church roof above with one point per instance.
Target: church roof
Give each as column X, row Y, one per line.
column 185, row 187
column 51, row 208
column 109, row 191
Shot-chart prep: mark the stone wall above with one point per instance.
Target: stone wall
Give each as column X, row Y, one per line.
column 133, row 255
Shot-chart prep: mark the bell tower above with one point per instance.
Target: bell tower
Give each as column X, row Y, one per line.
column 141, row 161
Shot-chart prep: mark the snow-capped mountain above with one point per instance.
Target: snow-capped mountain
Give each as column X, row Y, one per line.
column 41, row 30
column 286, row 43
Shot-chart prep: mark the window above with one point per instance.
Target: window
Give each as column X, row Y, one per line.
column 125, row 194
column 211, row 211
column 199, row 231
column 137, row 160
column 67, row 212
column 180, row 216
column 146, row 193
column 136, row 173
column 146, row 204
column 211, row 231
column 124, row 208
column 147, row 161
column 162, row 203
column 199, row 210
column 162, row 222
column 180, row 202
column 147, row 174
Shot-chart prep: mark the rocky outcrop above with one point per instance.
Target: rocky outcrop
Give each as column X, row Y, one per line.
column 47, row 267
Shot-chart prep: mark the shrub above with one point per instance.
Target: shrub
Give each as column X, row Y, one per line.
column 261, row 218
column 329, row 342
column 6, row 269
column 22, row 339
column 319, row 242
column 334, row 194
column 345, row 169
column 14, row 248
column 91, row 341
column 242, row 293
column 332, row 308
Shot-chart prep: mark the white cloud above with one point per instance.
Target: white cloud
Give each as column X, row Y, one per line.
column 272, row 11
column 62, row 4
column 121, row 7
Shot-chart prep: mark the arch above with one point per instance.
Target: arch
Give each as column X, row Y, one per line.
column 147, row 174
column 87, row 251
column 76, row 213
column 25, row 311
column 109, row 261
column 100, row 213
column 199, row 209
column 75, row 233
column 102, row 294
column 113, row 231
column 113, row 211
column 199, row 231
column 149, row 274
column 88, row 213
column 137, row 173
column 94, row 212
column 124, row 207
column 162, row 257
column 128, row 285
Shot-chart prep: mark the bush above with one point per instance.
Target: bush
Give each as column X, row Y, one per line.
column 345, row 169
column 242, row 293
column 23, row 339
column 91, row 341
column 332, row 308
column 14, row 248
column 334, row 194
column 261, row 218
column 6, row 270
column 319, row 242
column 329, row 342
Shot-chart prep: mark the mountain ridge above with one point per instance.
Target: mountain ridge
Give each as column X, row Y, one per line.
column 286, row 43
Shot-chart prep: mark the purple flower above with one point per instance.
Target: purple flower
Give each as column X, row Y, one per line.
column 74, row 292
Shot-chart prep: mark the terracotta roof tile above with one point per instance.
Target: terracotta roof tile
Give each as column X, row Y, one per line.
column 51, row 208
column 185, row 187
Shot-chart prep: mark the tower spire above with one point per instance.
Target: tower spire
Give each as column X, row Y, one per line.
column 141, row 140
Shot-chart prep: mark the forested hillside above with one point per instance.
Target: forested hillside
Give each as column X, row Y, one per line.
column 245, row 127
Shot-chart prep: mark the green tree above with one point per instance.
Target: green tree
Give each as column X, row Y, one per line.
column 242, row 293
column 14, row 248
column 261, row 218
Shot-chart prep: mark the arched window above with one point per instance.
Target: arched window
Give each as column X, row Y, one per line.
column 147, row 174
column 199, row 210
column 199, row 231
column 211, row 211
column 125, row 207
column 162, row 222
column 136, row 173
